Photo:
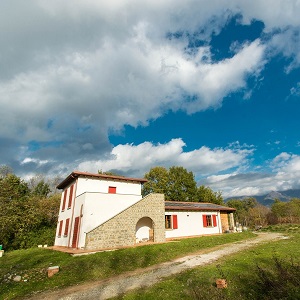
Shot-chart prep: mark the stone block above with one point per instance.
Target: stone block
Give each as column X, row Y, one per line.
column 52, row 270
column 221, row 283
column 17, row 278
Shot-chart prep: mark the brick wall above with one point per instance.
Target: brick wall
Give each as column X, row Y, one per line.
column 120, row 230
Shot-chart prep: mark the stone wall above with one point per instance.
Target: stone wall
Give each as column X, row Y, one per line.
column 120, row 230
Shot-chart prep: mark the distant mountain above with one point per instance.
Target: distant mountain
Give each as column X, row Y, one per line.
column 268, row 199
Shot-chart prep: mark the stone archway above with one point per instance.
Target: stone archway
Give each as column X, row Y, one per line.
column 144, row 230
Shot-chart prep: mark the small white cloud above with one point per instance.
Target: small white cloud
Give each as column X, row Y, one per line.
column 38, row 162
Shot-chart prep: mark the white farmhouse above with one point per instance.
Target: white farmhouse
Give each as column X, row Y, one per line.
column 99, row 211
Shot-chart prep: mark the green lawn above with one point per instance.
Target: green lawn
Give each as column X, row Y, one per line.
column 32, row 264
column 268, row 271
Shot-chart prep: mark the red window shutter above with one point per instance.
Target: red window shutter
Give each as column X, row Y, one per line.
column 70, row 196
column 175, row 222
column 75, row 232
column 214, row 220
column 60, row 227
column 67, row 227
column 64, row 201
column 204, row 221
column 112, row 189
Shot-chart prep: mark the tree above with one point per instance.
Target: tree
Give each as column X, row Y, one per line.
column 176, row 183
column 181, row 185
column 42, row 189
column 5, row 170
column 206, row 194
column 26, row 215
column 109, row 173
column 158, row 178
column 286, row 212
column 258, row 215
column 13, row 195
column 242, row 207
column 12, row 187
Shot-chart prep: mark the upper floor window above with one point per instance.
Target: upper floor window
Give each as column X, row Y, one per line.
column 112, row 189
column 64, row 200
column 70, row 196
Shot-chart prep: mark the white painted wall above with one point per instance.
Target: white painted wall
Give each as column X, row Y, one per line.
column 191, row 223
column 99, row 185
column 64, row 215
column 97, row 205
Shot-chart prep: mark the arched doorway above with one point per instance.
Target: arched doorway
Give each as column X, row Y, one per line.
column 144, row 230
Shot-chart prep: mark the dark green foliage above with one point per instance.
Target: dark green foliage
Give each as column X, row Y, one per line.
column 181, row 185
column 158, row 178
column 26, row 216
column 206, row 194
column 177, row 184
column 42, row 189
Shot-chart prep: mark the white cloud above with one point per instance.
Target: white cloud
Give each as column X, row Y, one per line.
column 285, row 175
column 139, row 159
column 74, row 71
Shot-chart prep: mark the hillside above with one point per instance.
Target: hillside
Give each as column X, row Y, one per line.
column 269, row 198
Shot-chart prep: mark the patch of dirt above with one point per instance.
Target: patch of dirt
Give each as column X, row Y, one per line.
column 112, row 287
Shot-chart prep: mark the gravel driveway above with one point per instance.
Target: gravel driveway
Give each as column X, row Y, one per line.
column 123, row 283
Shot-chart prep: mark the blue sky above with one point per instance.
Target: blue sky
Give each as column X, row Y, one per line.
column 129, row 85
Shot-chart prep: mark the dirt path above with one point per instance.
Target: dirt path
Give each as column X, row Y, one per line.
column 106, row 289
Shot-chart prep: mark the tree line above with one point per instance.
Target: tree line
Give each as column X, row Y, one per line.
column 250, row 213
column 28, row 211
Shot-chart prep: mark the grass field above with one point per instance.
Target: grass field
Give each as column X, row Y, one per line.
column 239, row 270
column 32, row 264
column 268, row 271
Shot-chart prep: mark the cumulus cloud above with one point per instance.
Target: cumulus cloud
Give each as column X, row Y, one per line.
column 284, row 175
column 136, row 160
column 73, row 72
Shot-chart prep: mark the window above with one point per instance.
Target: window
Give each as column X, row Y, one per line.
column 171, row 222
column 168, row 223
column 64, row 200
column 209, row 220
column 70, row 196
column 112, row 189
column 60, row 228
column 67, row 227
